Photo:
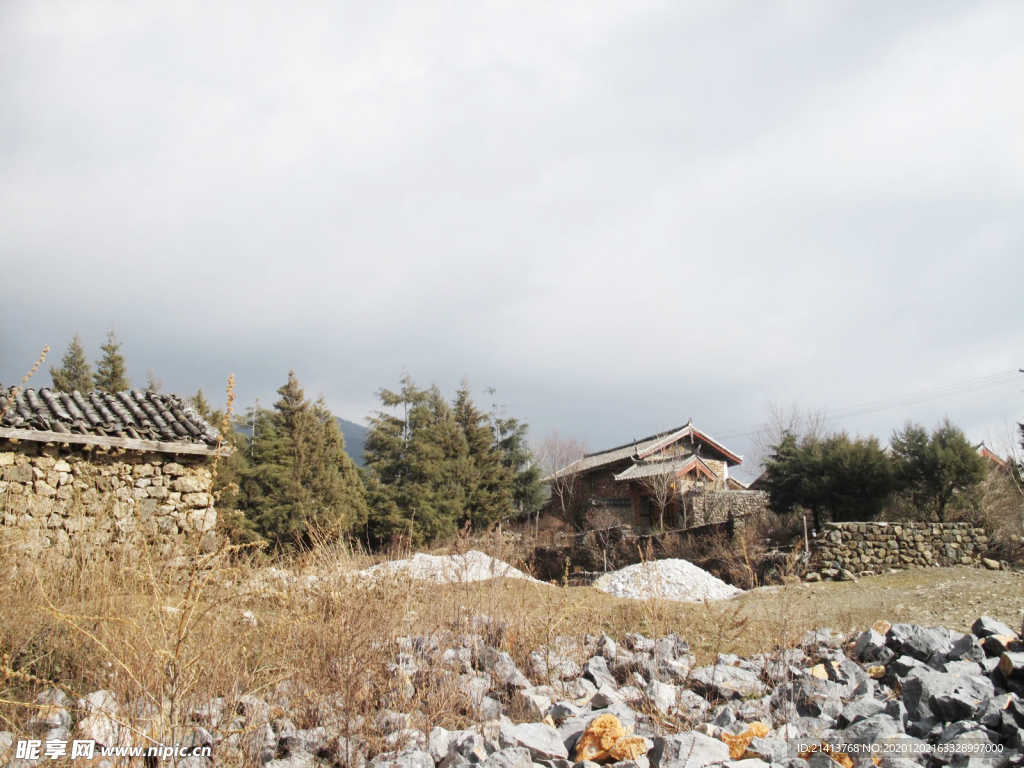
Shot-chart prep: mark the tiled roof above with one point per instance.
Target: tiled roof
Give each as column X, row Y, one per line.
column 133, row 415
column 649, row 445
column 655, row 468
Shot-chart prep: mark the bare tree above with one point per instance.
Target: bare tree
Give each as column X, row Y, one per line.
column 560, row 457
column 803, row 422
column 662, row 487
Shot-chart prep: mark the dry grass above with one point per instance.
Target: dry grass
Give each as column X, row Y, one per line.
column 166, row 634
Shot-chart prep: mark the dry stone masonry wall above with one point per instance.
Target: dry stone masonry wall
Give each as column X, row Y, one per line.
column 878, row 547
column 86, row 499
column 720, row 506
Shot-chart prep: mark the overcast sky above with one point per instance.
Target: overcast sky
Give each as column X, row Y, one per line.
column 621, row 215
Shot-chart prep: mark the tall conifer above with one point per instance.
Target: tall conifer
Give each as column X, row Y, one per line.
column 111, row 370
column 74, row 372
column 300, row 482
column 489, row 479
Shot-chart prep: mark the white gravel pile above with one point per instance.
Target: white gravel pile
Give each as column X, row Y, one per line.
column 667, row 579
column 448, row 569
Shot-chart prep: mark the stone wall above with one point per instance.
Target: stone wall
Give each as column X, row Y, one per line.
column 81, row 500
column 877, row 547
column 721, row 506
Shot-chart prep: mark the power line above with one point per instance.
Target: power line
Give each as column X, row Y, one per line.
column 925, row 395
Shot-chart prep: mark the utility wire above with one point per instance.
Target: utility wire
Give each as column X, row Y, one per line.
column 925, row 395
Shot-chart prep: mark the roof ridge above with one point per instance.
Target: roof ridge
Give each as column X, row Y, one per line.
column 636, row 442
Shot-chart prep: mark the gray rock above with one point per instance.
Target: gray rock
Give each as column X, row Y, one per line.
column 296, row 759
column 728, row 682
column 771, row 749
column 534, row 705
column 692, row 703
column 475, row 687
column 900, row 667
column 897, row 710
column 872, row 730
column 945, row 751
column 510, row 757
column 966, row 648
column 607, row 648
column 920, row 643
column 438, row 742
column 637, row 642
column 596, row 670
column 674, row 670
column 869, row 644
column 543, row 741
column 553, row 666
column 505, row 672
column 48, row 717
column 410, row 758
column 986, row 626
column 489, row 708
column 470, row 743
column 927, row 728
column 570, row 729
column 956, row 706
column 260, row 744
column 687, row 750
column 860, row 710
column 723, row 716
column 812, row 726
column 563, row 710
column 661, row 695
column 605, row 697
column 824, row 707
column 954, row 730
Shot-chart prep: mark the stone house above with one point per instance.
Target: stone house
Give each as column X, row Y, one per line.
column 684, row 469
column 81, row 470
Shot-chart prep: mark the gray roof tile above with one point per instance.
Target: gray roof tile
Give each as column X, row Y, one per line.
column 133, row 414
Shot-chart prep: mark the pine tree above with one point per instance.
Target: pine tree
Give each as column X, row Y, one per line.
column 418, row 462
column 301, row 484
column 75, row 372
column 934, row 468
column 527, row 489
column 110, row 372
column 201, row 405
column 153, row 384
column 489, row 479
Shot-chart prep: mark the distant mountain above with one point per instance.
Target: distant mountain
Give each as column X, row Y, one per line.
column 355, row 440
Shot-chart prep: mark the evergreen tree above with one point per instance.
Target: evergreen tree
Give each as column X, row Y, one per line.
column 527, row 489
column 857, row 477
column 489, row 479
column 153, row 384
column 849, row 479
column 934, row 468
column 74, row 372
column 300, row 480
column 793, row 475
column 418, row 461
column 202, row 407
column 110, row 372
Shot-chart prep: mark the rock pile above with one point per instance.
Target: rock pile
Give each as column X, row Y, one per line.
column 667, row 579
column 890, row 696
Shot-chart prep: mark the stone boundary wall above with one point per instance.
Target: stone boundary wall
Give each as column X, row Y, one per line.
column 859, row 547
column 84, row 499
column 721, row 506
